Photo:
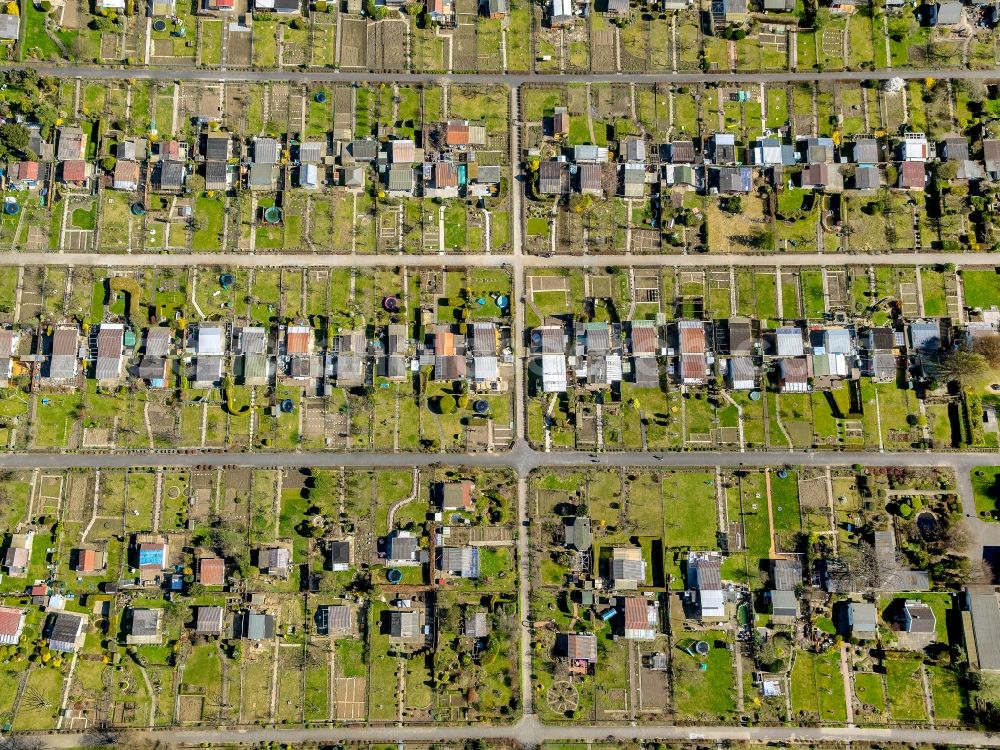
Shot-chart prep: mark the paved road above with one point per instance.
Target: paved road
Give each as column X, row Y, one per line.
column 499, row 79
column 481, row 260
column 522, row 459
column 530, row 732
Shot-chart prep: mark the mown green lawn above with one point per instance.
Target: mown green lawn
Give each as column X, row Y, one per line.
column 906, row 694
column 818, row 688
column 705, row 694
column 209, row 217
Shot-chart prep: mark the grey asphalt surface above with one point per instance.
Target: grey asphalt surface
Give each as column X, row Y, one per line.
column 478, row 260
column 240, row 75
column 531, row 732
column 522, row 459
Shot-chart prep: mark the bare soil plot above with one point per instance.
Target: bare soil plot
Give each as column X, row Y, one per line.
column 79, row 496
column 908, row 299
column 292, row 51
column 652, row 690
column 354, row 42
column 190, row 708
column 603, row 50
column 645, row 241
column 646, row 287
column 464, row 57
column 97, row 437
column 238, row 47
column 387, row 45
column 838, row 294
column 351, row 698
column 314, row 417
column 31, row 294
column 586, row 426
column 278, row 101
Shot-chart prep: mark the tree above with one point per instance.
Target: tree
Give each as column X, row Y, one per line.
column 865, row 570
column 961, row 366
column 579, row 203
column 447, row 404
column 947, row 170
column 989, row 349
column 13, row 140
column 108, row 163
column 20, row 743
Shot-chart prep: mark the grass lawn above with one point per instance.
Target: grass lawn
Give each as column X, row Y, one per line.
column 351, row 658
column 55, row 419
column 818, row 688
column 47, row 683
column 812, row 294
column 984, row 485
column 256, row 683
column 418, row 681
column 265, row 44
column 115, row 220
column 906, row 695
column 538, row 226
column 689, row 510
column 203, row 668
column 211, row 41
column 84, row 218
column 868, row 690
column 519, row 36
column 382, row 682
column 455, row 226
column 785, row 506
column 949, row 696
column 37, row 43
column 319, row 117
column 209, row 217
column 981, row 287
column 935, row 302
column 705, row 694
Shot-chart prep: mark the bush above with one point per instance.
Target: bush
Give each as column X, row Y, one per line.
column 732, row 204
column 446, row 404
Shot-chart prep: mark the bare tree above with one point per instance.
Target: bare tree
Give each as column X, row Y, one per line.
column 35, row 699
column 100, row 737
column 865, row 569
column 20, row 743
